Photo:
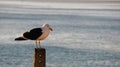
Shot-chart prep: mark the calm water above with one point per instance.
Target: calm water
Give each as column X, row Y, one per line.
column 84, row 36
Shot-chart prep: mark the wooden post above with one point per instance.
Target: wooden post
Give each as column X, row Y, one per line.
column 40, row 57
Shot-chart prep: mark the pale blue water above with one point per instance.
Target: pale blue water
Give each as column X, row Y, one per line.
column 81, row 37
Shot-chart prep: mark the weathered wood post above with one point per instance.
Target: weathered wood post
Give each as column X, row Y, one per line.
column 39, row 57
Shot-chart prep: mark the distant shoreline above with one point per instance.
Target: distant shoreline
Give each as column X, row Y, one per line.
column 66, row 1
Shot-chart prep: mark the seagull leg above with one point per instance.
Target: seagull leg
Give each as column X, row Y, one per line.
column 39, row 45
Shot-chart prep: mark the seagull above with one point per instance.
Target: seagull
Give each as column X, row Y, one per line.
column 36, row 34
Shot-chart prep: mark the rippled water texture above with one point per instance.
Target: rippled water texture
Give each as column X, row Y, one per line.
column 84, row 34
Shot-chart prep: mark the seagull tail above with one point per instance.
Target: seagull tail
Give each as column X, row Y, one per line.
column 20, row 39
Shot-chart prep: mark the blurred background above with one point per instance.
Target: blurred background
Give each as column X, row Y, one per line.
column 85, row 33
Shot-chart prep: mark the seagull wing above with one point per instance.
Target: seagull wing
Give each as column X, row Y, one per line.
column 33, row 34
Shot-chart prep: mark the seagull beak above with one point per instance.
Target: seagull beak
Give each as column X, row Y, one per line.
column 51, row 29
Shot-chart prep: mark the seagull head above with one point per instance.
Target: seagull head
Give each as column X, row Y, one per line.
column 47, row 26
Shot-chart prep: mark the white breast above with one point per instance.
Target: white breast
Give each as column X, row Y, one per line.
column 45, row 34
